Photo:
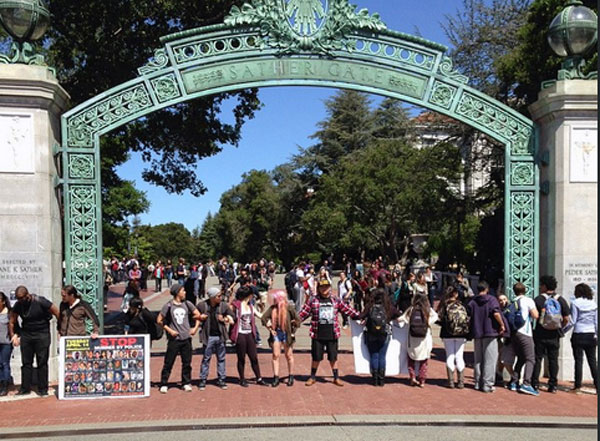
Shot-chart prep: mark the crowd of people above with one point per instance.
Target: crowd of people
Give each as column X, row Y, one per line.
column 515, row 335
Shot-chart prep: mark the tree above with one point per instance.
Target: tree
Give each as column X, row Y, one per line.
column 207, row 240
column 101, row 45
column 169, row 241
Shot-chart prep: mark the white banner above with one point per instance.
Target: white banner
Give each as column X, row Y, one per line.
column 396, row 361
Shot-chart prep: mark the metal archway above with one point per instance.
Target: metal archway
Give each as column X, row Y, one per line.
column 273, row 43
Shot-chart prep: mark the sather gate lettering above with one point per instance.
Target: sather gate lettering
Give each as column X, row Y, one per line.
column 292, row 43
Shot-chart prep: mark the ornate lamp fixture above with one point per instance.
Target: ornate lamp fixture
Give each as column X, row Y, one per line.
column 25, row 21
column 573, row 32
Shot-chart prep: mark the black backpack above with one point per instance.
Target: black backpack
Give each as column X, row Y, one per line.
column 418, row 325
column 290, row 279
column 154, row 329
column 376, row 321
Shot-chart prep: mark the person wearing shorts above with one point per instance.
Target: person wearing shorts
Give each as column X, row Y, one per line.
column 324, row 328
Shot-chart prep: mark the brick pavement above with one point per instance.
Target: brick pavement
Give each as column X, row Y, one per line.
column 358, row 397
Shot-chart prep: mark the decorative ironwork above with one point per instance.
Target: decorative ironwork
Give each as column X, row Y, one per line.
column 160, row 61
column 442, row 95
column 293, row 28
column 166, row 88
column 501, row 122
column 284, row 42
column 522, row 249
column 81, row 166
column 522, row 174
column 83, row 126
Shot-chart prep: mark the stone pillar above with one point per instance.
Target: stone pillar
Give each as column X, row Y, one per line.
column 31, row 244
column 567, row 114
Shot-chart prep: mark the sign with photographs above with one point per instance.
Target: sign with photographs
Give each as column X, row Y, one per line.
column 106, row 367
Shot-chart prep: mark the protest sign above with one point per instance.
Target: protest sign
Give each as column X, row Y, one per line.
column 396, row 361
column 105, row 367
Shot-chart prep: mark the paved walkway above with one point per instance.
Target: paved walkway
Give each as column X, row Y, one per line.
column 357, row 398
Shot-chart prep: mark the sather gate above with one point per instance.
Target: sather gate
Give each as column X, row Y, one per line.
column 293, row 43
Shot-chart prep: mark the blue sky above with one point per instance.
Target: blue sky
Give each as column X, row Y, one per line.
column 287, row 119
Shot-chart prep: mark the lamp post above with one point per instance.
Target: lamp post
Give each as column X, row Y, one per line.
column 25, row 21
column 572, row 34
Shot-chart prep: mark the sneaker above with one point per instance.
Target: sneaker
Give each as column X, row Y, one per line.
column 202, row 385
column 164, row 389
column 244, row 383
column 310, row 381
column 22, row 392
column 512, row 386
column 576, row 391
column 552, row 389
column 529, row 390
column 222, row 384
column 43, row 393
column 187, row 388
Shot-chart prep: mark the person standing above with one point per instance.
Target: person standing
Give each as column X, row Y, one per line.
column 454, row 331
column 169, row 272
column 419, row 318
column 281, row 320
column 243, row 334
column 345, row 294
column 159, row 275
column 486, row 326
column 324, row 328
column 33, row 336
column 584, row 320
column 181, row 271
column 522, row 341
column 299, row 286
column 215, row 316
column 74, row 313
column 377, row 315
column 174, row 317
column 5, row 345
column 554, row 314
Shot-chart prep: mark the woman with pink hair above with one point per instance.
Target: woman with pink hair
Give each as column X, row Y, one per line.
column 282, row 321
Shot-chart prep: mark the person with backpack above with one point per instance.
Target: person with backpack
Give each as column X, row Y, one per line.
column 33, row 336
column 584, row 321
column 405, row 292
column 419, row 317
column 506, row 356
column 486, row 326
column 454, row 321
column 377, row 315
column 520, row 316
column 289, row 281
column 324, row 329
column 554, row 313
column 74, row 312
column 175, row 317
column 281, row 320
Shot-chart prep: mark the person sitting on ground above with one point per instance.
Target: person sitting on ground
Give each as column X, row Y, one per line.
column 419, row 318
column 324, row 328
column 281, row 320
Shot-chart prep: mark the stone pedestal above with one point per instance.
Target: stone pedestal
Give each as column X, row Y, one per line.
column 31, row 102
column 567, row 114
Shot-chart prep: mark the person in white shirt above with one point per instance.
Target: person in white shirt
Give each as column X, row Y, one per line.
column 345, row 295
column 299, row 287
column 522, row 341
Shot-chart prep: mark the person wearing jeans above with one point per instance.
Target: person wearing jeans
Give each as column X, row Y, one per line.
column 35, row 313
column 5, row 345
column 378, row 340
column 215, row 315
column 174, row 317
column 486, row 326
column 522, row 341
column 584, row 320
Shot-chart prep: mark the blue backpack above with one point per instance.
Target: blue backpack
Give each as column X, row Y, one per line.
column 514, row 317
column 551, row 317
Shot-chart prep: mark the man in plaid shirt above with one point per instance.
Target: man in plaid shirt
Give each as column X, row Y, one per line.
column 324, row 328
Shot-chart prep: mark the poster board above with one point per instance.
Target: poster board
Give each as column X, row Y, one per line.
column 396, row 361
column 110, row 366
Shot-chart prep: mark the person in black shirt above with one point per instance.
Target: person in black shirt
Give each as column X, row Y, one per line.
column 33, row 336
column 547, row 341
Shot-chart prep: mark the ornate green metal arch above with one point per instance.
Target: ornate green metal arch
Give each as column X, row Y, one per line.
column 293, row 43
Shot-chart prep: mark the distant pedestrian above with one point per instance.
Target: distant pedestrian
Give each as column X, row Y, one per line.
column 5, row 344
column 169, row 272
column 33, row 336
column 175, row 319
column 584, row 321
column 419, row 317
column 486, row 326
